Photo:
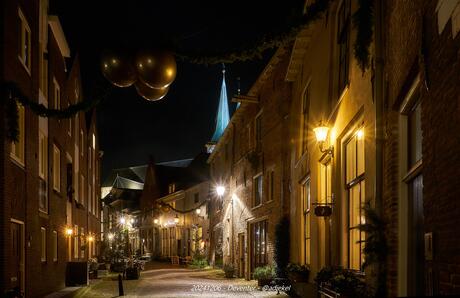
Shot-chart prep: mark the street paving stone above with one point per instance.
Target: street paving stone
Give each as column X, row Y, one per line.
column 175, row 282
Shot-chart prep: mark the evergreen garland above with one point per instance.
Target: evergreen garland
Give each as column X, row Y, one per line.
column 11, row 95
column 362, row 21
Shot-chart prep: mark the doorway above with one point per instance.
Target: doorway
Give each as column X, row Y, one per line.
column 17, row 255
column 241, row 254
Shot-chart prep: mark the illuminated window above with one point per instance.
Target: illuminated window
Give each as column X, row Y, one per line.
column 343, row 40
column 55, row 246
column 259, row 244
column 355, row 185
column 305, row 194
column 258, row 186
column 17, row 148
column 82, row 243
column 43, row 244
column 56, row 168
column 75, row 242
column 82, row 189
column 25, row 42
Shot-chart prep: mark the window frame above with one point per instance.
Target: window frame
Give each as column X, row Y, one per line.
column 258, row 131
column 343, row 45
column 43, row 247
column 56, row 94
column 256, row 188
column 56, row 169
column 306, row 202
column 304, row 117
column 19, row 157
column 358, row 180
column 55, row 246
column 24, row 31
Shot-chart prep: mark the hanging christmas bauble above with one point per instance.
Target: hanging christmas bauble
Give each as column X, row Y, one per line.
column 156, row 68
column 118, row 68
column 165, row 208
column 151, row 94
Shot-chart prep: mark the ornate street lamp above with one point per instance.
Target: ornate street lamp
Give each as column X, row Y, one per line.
column 321, row 134
column 220, row 190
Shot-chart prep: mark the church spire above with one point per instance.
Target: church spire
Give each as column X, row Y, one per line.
column 223, row 115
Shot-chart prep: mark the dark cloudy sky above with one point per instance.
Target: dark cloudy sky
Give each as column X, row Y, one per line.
column 178, row 126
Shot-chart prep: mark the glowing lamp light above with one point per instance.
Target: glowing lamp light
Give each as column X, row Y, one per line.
column 122, row 220
column 360, row 134
column 220, row 190
column 68, row 232
column 176, row 219
column 110, row 236
column 90, row 238
column 198, row 211
column 155, row 221
column 321, row 133
column 132, row 220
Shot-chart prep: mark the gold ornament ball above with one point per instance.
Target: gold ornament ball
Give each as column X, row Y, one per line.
column 118, row 69
column 156, row 68
column 151, row 94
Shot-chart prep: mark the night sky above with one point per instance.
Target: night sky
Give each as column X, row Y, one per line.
column 178, row 126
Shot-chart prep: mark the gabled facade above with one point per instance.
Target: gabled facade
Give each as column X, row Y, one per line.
column 48, row 216
column 250, row 163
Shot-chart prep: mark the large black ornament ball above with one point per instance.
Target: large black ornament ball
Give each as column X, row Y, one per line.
column 118, row 69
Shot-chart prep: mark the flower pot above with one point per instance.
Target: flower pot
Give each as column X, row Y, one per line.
column 229, row 273
column 298, row 277
column 132, row 273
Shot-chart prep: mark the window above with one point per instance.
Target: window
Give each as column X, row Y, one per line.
column 354, row 167
column 25, row 42
column 55, row 246
column 94, row 141
column 82, row 243
column 82, row 189
column 304, row 118
column 82, row 143
column 69, row 131
column 343, row 37
column 258, row 189
column 57, row 95
column 411, row 204
column 259, row 244
column 43, row 244
column 42, row 156
column 306, row 200
column 56, row 168
column 17, row 148
column 75, row 243
column 196, row 197
column 271, row 185
column 171, row 187
column 90, row 199
column 258, row 131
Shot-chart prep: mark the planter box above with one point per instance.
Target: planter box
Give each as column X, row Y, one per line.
column 132, row 273
column 264, row 282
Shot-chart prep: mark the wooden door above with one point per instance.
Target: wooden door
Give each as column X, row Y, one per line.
column 17, row 255
column 241, row 255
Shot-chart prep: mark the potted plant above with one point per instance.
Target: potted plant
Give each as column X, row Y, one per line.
column 298, row 273
column 132, row 272
column 93, row 265
column 264, row 275
column 229, row 270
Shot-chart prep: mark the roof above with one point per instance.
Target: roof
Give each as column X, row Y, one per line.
column 223, row 116
column 134, row 175
column 128, row 198
column 58, row 33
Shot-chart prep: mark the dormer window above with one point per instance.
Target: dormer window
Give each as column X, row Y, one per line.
column 171, row 188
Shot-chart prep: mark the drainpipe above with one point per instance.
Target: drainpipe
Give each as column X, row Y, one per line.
column 379, row 105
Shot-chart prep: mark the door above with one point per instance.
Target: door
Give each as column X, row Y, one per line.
column 417, row 245
column 17, row 260
column 241, row 254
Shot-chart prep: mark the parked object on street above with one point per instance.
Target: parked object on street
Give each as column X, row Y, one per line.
column 229, row 270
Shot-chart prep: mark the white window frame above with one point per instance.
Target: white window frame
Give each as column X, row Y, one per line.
column 55, row 246
column 24, row 30
column 56, row 168
column 43, row 244
column 19, row 157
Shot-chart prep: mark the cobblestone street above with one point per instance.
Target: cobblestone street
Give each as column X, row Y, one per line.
column 177, row 282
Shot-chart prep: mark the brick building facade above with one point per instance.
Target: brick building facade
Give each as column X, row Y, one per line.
column 421, row 121
column 41, row 197
column 250, row 161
